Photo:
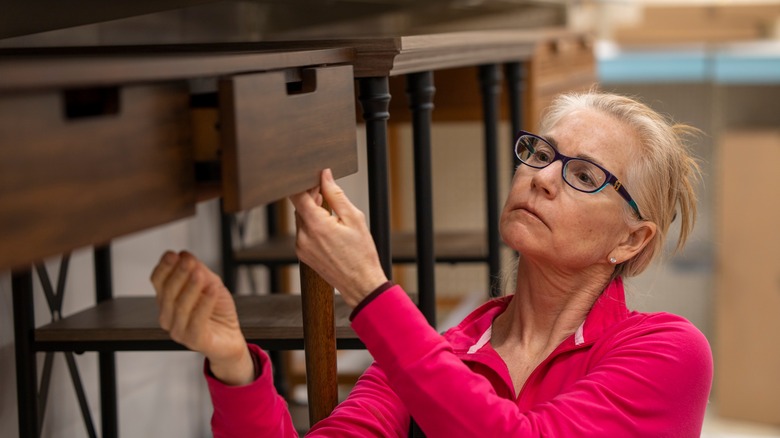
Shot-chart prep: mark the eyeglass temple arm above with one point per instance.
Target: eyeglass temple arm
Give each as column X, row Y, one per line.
column 624, row 193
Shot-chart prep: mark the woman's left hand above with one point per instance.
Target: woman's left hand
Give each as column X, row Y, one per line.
column 339, row 246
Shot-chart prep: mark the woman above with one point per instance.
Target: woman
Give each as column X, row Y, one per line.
column 560, row 357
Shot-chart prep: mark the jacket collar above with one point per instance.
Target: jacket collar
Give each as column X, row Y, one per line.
column 475, row 330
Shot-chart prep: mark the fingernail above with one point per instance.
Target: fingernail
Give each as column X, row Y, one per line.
column 328, row 174
column 169, row 258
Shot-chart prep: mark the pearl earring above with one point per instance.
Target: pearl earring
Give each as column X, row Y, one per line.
column 612, row 260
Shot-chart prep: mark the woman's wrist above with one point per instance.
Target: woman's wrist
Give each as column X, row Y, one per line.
column 370, row 297
column 236, row 371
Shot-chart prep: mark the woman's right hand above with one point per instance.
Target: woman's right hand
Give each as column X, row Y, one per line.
column 198, row 312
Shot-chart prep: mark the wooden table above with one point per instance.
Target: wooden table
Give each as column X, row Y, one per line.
column 99, row 145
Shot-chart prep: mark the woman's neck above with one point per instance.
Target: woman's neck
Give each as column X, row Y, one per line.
column 549, row 305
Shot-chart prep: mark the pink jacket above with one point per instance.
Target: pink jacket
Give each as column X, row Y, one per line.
column 622, row 374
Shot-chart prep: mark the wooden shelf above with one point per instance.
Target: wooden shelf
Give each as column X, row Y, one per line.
column 450, row 247
column 130, row 324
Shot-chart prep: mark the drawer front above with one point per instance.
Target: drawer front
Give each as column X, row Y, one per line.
column 81, row 168
column 277, row 136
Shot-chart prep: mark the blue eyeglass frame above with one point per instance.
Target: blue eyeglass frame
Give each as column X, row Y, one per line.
column 611, row 178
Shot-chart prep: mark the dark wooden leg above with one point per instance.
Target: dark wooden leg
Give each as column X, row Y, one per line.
column 26, row 367
column 319, row 339
column 490, row 84
column 374, row 96
column 106, row 359
column 420, row 89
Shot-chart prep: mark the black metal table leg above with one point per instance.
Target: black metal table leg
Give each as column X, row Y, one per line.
column 229, row 268
column 374, row 96
column 515, row 81
column 420, row 88
column 26, row 367
column 104, row 291
column 490, row 84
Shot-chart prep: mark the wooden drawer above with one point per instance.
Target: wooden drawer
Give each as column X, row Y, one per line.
column 82, row 167
column 277, row 133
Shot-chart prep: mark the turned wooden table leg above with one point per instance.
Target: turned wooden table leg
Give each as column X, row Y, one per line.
column 319, row 340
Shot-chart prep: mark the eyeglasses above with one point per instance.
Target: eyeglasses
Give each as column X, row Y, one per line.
column 579, row 173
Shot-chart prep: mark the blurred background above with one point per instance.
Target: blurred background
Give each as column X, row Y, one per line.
column 711, row 64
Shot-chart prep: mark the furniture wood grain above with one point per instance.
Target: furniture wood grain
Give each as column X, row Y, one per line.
column 105, row 66
column 67, row 183
column 122, row 321
column 275, row 142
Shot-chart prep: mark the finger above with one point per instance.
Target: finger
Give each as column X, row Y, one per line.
column 172, row 287
column 204, row 309
column 316, row 196
column 308, row 209
column 184, row 304
column 210, row 276
column 335, row 197
column 301, row 201
column 163, row 270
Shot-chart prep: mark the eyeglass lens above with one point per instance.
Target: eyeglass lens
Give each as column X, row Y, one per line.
column 580, row 174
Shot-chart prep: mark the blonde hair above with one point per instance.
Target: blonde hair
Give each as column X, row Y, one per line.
column 661, row 179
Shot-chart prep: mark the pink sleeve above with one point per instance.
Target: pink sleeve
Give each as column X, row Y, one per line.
column 652, row 381
column 254, row 410
column 372, row 409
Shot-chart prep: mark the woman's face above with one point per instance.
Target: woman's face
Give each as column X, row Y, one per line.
column 546, row 219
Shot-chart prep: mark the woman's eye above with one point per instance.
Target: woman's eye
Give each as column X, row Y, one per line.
column 585, row 179
column 542, row 156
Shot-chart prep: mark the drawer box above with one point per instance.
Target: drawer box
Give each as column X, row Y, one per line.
column 81, row 167
column 277, row 134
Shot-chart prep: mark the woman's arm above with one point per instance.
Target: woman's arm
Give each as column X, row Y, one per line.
column 371, row 410
column 199, row 313
column 255, row 409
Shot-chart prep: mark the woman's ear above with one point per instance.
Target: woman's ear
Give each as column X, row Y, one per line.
column 638, row 237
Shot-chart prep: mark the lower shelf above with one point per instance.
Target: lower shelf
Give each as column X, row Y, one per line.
column 273, row 322
column 449, row 247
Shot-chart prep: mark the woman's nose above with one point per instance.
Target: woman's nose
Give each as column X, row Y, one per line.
column 548, row 179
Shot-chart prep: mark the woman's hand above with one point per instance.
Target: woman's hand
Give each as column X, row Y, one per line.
column 339, row 247
column 199, row 313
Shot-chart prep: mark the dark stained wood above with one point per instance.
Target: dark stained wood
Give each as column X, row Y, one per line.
column 275, row 142
column 67, row 183
column 319, row 343
column 319, row 335
column 373, row 56
column 263, row 317
column 105, row 66
column 449, row 247
column 393, row 56
column 20, row 18
column 91, row 150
